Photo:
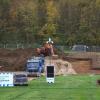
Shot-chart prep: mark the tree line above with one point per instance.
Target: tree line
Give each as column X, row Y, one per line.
column 67, row 22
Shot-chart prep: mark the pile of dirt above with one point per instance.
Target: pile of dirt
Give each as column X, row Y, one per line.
column 14, row 60
column 61, row 67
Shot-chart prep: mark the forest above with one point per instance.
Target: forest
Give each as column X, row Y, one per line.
column 67, row 22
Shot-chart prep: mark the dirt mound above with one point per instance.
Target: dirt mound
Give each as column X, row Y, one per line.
column 14, row 60
column 61, row 67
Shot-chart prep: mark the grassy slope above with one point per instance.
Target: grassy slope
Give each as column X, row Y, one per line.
column 65, row 88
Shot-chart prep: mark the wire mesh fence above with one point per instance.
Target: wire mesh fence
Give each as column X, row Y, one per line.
column 19, row 45
column 63, row 48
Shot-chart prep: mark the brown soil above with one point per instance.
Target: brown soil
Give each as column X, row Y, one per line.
column 61, row 67
column 14, row 60
column 81, row 66
column 87, row 62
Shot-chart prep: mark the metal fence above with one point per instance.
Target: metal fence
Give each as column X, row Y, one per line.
column 19, row 45
column 78, row 48
column 63, row 48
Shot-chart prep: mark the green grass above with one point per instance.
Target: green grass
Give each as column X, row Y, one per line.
column 71, row 87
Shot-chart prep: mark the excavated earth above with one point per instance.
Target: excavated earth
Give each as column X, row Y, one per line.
column 84, row 62
column 61, row 67
column 15, row 60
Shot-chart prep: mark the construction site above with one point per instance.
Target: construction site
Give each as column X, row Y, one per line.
column 65, row 63
column 49, row 49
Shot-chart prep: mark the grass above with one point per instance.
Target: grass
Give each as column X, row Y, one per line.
column 71, row 87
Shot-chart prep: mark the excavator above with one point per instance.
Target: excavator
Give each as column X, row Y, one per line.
column 46, row 49
column 35, row 65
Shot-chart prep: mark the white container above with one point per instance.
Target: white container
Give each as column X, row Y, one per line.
column 6, row 79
